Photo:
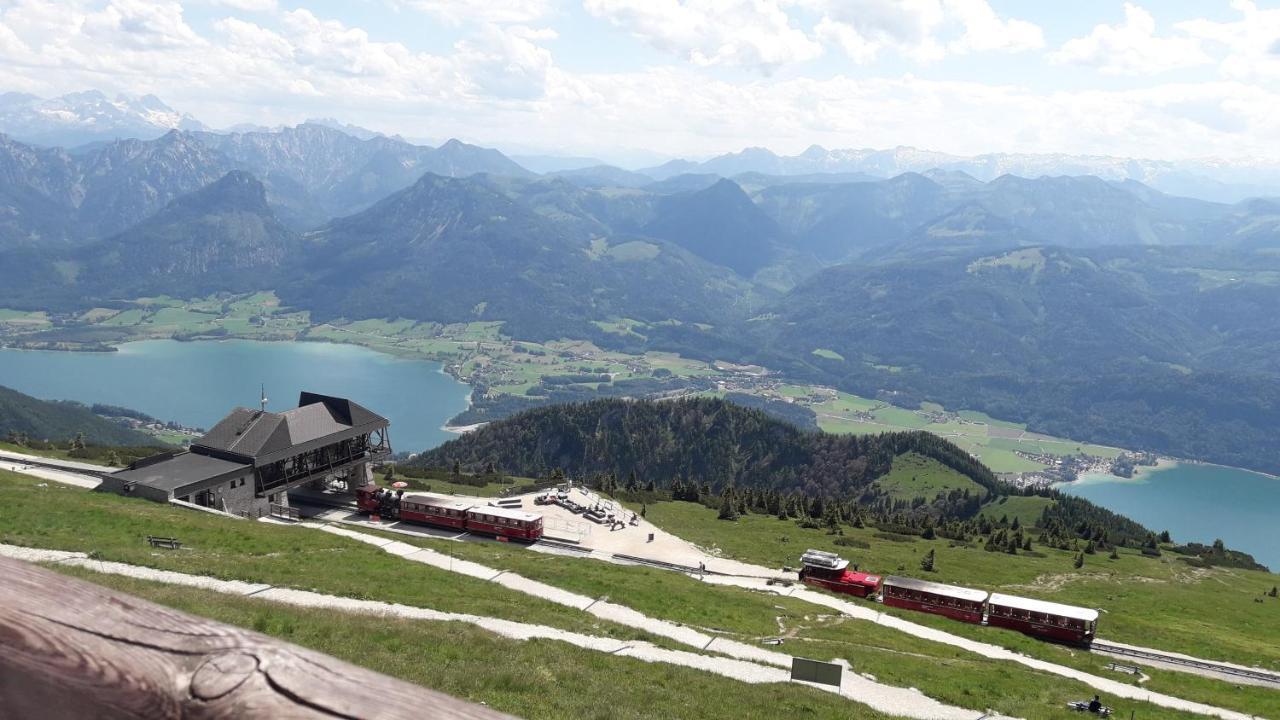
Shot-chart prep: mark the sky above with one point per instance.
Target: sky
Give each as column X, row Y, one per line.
column 642, row 79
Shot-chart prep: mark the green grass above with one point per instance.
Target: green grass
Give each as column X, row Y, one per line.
column 914, row 475
column 114, row 528
column 828, row 354
column 657, row 593
column 1026, row 509
column 1155, row 602
column 445, row 487
column 532, row 679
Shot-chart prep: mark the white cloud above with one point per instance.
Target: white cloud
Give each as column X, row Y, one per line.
column 922, row 30
column 751, row 33
column 458, row 12
column 1132, row 47
column 500, row 82
column 985, row 30
column 246, row 5
column 506, row 61
column 1251, row 44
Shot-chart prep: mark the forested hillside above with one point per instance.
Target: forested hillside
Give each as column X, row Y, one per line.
column 721, row 454
column 23, row 415
column 701, row 440
column 1126, row 347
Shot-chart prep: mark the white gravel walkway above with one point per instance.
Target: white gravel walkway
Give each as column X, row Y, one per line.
column 58, row 476
column 904, row 702
column 872, row 613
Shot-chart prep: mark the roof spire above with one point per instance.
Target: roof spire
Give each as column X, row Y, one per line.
column 263, row 396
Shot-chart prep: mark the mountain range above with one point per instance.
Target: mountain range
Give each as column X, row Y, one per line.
column 1100, row 309
column 88, row 117
column 1207, row 179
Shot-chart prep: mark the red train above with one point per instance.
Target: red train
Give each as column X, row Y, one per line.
column 830, row 571
column 1038, row 618
column 450, row 512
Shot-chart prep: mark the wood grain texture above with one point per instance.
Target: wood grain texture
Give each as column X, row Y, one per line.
column 72, row 650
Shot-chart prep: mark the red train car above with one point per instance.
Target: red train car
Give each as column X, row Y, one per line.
column 958, row 603
column 505, row 522
column 435, row 510
column 1044, row 619
column 828, row 570
column 450, row 513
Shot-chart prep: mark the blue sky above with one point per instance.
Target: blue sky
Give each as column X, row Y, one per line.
column 635, row 79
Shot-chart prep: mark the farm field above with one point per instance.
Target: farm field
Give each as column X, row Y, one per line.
column 514, row 373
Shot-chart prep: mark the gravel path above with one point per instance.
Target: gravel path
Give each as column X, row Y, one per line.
column 872, row 613
column 905, row 702
column 66, row 478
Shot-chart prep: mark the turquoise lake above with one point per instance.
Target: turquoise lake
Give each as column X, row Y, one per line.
column 1197, row 503
column 197, row 383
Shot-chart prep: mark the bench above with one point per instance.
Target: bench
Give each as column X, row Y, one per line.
column 164, row 542
column 1131, row 669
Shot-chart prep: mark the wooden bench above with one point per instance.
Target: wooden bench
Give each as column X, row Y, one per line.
column 1131, row 669
column 164, row 542
column 78, row 651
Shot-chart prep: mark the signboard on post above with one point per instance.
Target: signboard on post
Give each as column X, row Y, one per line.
column 816, row 672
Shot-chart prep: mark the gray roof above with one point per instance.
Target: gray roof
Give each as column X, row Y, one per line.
column 265, row 437
column 1044, row 606
column 181, row 470
column 934, row 588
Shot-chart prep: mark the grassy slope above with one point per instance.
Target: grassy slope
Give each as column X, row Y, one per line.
column 1157, row 602
column 533, row 679
column 914, row 475
column 1026, row 509
column 113, row 528
column 954, row 676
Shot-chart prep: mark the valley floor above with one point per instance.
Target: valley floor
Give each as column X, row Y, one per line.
column 516, row 373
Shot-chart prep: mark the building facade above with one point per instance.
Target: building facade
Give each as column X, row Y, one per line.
column 252, row 458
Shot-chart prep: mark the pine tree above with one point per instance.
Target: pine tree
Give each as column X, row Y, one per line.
column 1165, row 537
column 1115, row 553
column 926, row 562
column 1091, row 548
column 727, row 510
column 390, row 474
column 1079, row 563
column 1274, row 591
column 1026, row 544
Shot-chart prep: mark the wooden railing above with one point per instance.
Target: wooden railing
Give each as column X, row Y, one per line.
column 70, row 649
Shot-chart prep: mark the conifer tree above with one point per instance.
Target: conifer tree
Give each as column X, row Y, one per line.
column 1079, row 563
column 926, row 562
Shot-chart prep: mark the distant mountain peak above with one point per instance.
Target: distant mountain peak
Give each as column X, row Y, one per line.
column 80, row 118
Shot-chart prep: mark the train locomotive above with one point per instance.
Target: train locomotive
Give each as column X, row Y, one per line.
column 1038, row 618
column 445, row 512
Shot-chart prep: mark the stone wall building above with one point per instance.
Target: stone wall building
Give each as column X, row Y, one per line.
column 252, row 458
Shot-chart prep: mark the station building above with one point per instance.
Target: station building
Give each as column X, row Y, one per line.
column 251, row 459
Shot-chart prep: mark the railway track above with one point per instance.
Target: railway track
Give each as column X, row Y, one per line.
column 1100, row 646
column 561, row 545
column 54, row 465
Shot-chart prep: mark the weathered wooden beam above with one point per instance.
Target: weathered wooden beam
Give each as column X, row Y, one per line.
column 70, row 649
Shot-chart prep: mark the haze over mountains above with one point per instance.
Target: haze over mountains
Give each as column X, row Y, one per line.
column 1090, row 307
column 82, row 118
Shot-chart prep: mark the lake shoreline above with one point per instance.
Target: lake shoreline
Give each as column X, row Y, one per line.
column 196, row 384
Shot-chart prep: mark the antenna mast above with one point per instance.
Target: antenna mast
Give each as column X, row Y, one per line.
column 263, row 396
